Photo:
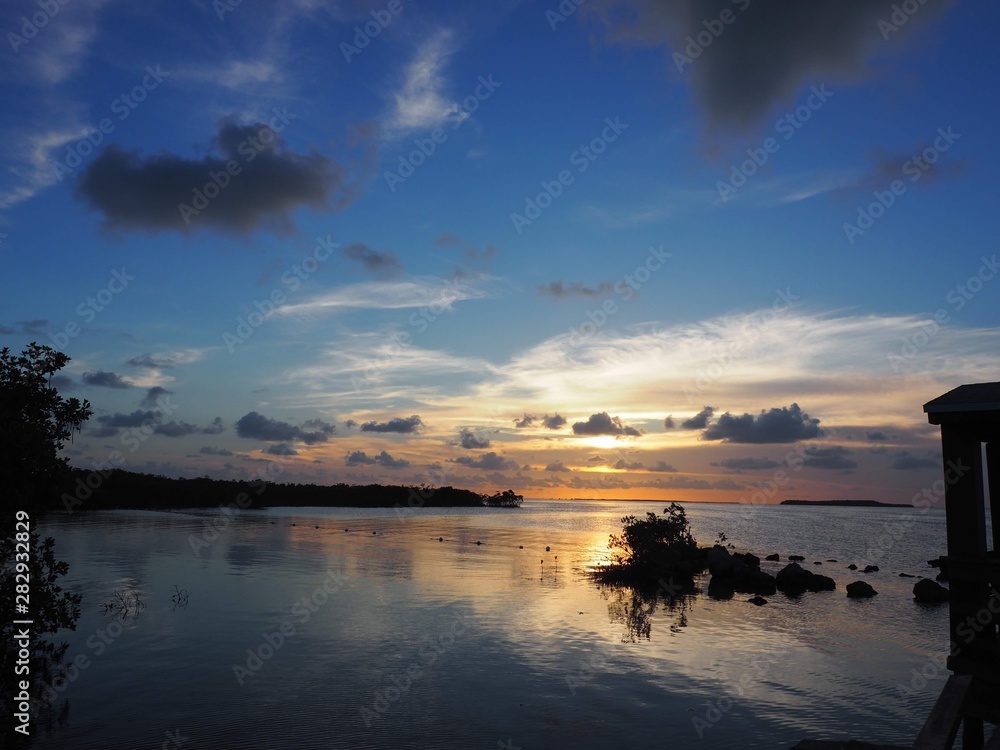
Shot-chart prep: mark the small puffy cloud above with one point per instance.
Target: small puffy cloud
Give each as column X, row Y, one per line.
column 554, row 422
column 104, row 379
column 360, row 458
column 350, row 423
column 469, row 440
column 834, row 457
column 597, row 460
column 402, row 425
column 281, row 449
column 209, row 450
column 904, row 461
column 487, row 462
column 258, row 427
column 603, row 424
column 558, row 290
column 526, row 421
column 557, row 466
column 785, row 425
column 622, row 464
column 663, row 466
column 700, row 420
column 373, row 261
column 746, row 464
column 668, row 422
column 214, row 428
column 134, row 191
column 122, row 421
column 62, row 383
column 153, row 395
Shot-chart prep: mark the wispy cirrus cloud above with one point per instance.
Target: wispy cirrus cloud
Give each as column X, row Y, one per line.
column 419, row 291
column 420, row 102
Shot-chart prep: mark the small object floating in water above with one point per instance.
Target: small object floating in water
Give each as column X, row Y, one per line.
column 760, row 601
column 548, row 549
column 478, row 542
column 317, row 527
column 520, row 546
column 440, row 538
column 272, row 522
column 346, row 529
column 374, row 532
column 293, row 524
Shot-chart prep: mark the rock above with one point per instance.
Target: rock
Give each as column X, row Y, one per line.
column 720, row 562
column 860, row 590
column 942, row 576
column 792, row 579
column 929, row 592
column 852, row 566
column 750, row 560
column 831, row 560
column 821, row 583
column 758, row 582
column 759, row 601
column 773, row 558
column 817, row 562
column 906, row 575
column 796, row 558
column 870, row 569
column 720, row 587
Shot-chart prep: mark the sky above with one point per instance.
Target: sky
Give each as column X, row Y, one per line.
column 715, row 250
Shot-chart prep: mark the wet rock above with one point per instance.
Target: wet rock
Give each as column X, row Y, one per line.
column 721, row 587
column 870, row 569
column 796, row 558
column 822, row 583
column 759, row 601
column 748, row 559
column 852, row 566
column 817, row 562
column 720, row 562
column 860, row 590
column 929, row 592
column 758, row 582
column 773, row 558
column 906, row 575
column 793, row 579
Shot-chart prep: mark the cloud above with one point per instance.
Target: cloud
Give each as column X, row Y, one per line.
column 420, row 104
column 553, row 422
column 153, row 395
column 175, row 429
column 430, row 291
column 556, row 466
column 765, row 54
column 602, row 424
column 557, row 290
column 281, row 449
column 373, row 261
column 834, row 457
column 104, row 379
column 621, row 463
column 111, row 423
column 486, row 462
column 402, row 425
column 166, row 360
column 215, row 428
column 211, row 451
column 784, row 425
column 746, row 464
column 469, row 440
column 28, row 327
column 133, row 191
column 876, row 436
column 360, row 458
column 905, row 462
column 668, row 423
column 258, row 427
column 62, row 383
column 663, row 466
column 700, row 420
column 349, row 423
column 527, row 421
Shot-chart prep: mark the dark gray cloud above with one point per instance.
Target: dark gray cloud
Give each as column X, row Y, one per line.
column 746, row 464
column 621, row 463
column 402, row 425
column 700, row 420
column 527, row 421
column 663, row 466
column 153, row 395
column 264, row 188
column 834, row 457
column 209, row 450
column 559, row 290
column 349, row 423
column 373, row 261
column 104, row 379
column 876, row 436
column 469, row 440
column 360, row 458
column 602, row 424
column 904, row 461
column 487, row 462
column 668, row 422
column 110, row 424
column 281, row 449
column 767, row 52
column 175, row 429
column 785, row 425
column 554, row 422
column 62, row 383
column 159, row 360
column 214, row 428
column 557, row 466
column 258, row 427
column 27, row 327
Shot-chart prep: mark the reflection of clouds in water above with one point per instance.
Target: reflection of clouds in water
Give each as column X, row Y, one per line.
column 635, row 610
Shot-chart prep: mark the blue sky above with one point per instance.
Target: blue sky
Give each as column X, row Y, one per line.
column 273, row 240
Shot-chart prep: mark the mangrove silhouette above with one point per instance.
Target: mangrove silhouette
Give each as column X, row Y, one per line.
column 847, row 503
column 118, row 488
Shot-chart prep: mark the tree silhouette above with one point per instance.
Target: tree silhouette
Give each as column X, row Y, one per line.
column 35, row 423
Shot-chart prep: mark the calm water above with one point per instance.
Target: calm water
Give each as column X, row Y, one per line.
column 428, row 644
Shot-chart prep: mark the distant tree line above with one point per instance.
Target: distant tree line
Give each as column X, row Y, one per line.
column 118, row 488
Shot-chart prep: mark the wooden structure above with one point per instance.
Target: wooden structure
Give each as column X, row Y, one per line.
column 969, row 417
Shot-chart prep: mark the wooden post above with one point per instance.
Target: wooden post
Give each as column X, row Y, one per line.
column 993, row 479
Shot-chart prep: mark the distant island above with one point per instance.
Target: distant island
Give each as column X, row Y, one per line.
column 848, row 503
column 117, row 488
